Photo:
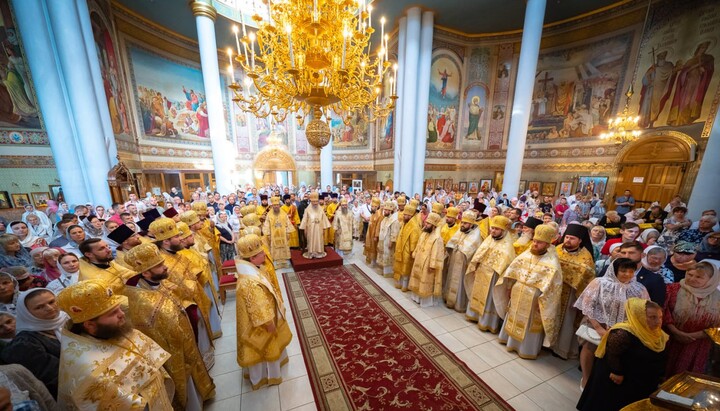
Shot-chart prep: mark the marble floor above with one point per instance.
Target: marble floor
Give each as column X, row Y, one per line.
column 547, row 383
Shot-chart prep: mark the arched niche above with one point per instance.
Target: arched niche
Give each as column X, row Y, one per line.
column 269, row 161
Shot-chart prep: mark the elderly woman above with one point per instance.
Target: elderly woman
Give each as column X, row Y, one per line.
column 649, row 236
column 12, row 253
column 38, row 262
column 681, row 260
column 709, row 247
column 69, row 267
column 27, row 238
column 631, row 359
column 75, row 235
column 37, row 343
column 673, row 225
column 635, row 216
column 30, row 210
column 38, row 228
column 598, row 236
column 50, row 262
column 603, row 305
column 94, row 227
column 654, row 258
column 691, row 307
column 612, row 219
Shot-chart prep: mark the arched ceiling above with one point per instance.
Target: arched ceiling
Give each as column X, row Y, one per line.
column 467, row 16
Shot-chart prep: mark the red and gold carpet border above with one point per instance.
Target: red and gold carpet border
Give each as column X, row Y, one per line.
column 326, row 379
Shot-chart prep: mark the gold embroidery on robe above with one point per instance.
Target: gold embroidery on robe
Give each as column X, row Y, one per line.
column 428, row 261
column 463, row 246
column 276, row 229
column 406, row 243
column 372, row 236
column 294, row 216
column 491, row 258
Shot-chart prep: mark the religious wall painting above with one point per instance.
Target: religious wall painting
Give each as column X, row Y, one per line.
column 268, row 131
column 566, row 188
column 170, row 97
column 448, row 185
column 497, row 119
column 486, row 186
column 590, row 185
column 40, row 199
column 474, row 127
column 350, row 131
column 577, row 88
column 5, row 200
column 110, row 71
column 521, row 186
column 678, row 56
column 534, row 186
column 444, row 101
column 548, row 189
column 463, row 186
column 499, row 178
column 301, row 143
column 439, row 183
column 19, row 109
column 20, row 200
column 386, row 126
column 472, row 187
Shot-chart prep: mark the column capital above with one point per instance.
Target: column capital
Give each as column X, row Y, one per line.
column 200, row 8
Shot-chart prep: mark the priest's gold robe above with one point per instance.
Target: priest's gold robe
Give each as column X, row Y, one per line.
column 404, row 248
column 486, row 266
column 330, row 210
column 389, row 230
column 212, row 238
column 206, row 283
column 578, row 269
column 527, row 296
column 258, row 304
column 294, row 216
column 484, row 226
column 116, row 374
column 429, row 258
column 462, row 247
column 372, row 236
column 262, row 211
column 343, row 228
column 115, row 275
column 314, row 223
column 447, row 232
column 522, row 244
column 161, row 316
column 276, row 229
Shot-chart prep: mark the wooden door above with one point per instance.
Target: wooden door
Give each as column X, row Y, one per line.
column 650, row 182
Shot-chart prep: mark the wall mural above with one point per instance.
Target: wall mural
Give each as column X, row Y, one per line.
column 476, row 98
column 676, row 65
column 386, row 130
column 498, row 118
column 111, row 76
column 18, row 106
column 350, row 133
column 170, row 97
column 576, row 89
column 445, row 80
column 265, row 126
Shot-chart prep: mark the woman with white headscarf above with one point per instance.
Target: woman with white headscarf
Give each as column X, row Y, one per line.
column 37, row 227
column 75, row 235
column 69, row 267
column 30, row 209
column 36, row 345
column 27, row 237
column 654, row 258
column 691, row 307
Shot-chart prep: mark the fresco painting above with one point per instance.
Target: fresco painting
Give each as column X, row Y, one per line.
column 444, row 102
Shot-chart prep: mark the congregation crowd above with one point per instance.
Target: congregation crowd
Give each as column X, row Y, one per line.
column 90, row 294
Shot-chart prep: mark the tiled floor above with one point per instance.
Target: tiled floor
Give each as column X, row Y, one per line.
column 547, row 383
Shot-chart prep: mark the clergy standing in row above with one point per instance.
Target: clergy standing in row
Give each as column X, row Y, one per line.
column 526, row 237
column 343, row 227
column 486, row 266
column 406, row 244
column 527, row 297
column 276, row 229
column 156, row 311
column 461, row 247
column 263, row 333
column 429, row 258
column 578, row 269
column 389, row 229
column 373, row 233
column 314, row 223
column 104, row 363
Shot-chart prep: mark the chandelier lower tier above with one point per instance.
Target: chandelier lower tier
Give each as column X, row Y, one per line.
column 313, row 56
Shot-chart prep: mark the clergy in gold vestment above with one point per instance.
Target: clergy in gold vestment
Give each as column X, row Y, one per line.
column 314, row 223
column 528, row 231
column 405, row 246
column 451, row 226
column 389, row 230
column 207, row 230
column 343, row 227
column 262, row 329
column 276, row 228
column 104, row 363
column 527, row 296
column 373, row 233
column 289, row 208
column 429, row 258
column 486, row 266
column 98, row 262
column 206, row 242
column 462, row 247
column 578, row 269
column 204, row 279
column 156, row 311
column 331, row 206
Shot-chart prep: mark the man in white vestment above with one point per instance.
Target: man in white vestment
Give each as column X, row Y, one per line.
column 343, row 227
column 461, row 247
column 389, row 229
column 426, row 275
column 314, row 223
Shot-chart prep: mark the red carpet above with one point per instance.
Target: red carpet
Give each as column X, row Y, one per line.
column 300, row 263
column 364, row 352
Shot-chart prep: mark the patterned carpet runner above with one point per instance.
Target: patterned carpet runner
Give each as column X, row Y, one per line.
column 364, row 352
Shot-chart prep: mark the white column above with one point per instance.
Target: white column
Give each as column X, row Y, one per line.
column 423, row 98
column 703, row 196
column 75, row 69
column 397, row 148
column 31, row 17
column 222, row 148
column 86, row 27
column 326, row 166
column 522, row 102
column 410, row 76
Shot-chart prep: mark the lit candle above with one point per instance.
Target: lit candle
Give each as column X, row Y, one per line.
column 230, row 68
column 395, row 67
column 242, row 21
column 247, row 62
column 288, row 28
column 344, row 46
column 387, row 51
column 392, row 85
column 252, row 50
column 382, row 30
column 237, row 39
column 369, row 8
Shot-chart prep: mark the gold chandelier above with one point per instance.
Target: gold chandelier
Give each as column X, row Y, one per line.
column 624, row 127
column 314, row 56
